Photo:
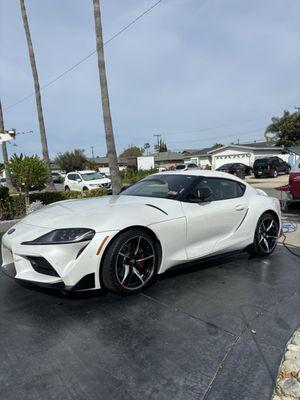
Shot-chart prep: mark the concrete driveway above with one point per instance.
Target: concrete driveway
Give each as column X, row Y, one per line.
column 213, row 330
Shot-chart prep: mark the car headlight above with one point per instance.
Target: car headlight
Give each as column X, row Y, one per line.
column 62, row 236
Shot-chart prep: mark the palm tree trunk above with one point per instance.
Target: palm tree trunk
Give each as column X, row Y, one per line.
column 38, row 100
column 109, row 134
column 5, row 155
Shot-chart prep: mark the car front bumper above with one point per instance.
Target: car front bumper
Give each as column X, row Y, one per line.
column 73, row 266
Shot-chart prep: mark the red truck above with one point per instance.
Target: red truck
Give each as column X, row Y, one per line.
column 294, row 180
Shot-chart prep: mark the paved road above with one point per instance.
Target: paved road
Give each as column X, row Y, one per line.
column 187, row 337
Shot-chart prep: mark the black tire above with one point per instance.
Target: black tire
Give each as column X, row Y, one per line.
column 67, row 189
column 259, row 247
column 119, row 274
column 256, row 176
column 85, row 189
column 275, row 173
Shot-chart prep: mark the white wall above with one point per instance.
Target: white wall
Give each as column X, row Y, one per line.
column 145, row 162
column 201, row 161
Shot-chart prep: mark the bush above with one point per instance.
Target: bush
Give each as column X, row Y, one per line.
column 46, row 197
column 130, row 176
column 14, row 206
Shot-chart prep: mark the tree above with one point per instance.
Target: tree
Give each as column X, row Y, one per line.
column 286, row 129
column 5, row 155
column 38, row 99
column 216, row 146
column 161, row 147
column 147, row 147
column 28, row 172
column 108, row 128
column 132, row 151
column 71, row 160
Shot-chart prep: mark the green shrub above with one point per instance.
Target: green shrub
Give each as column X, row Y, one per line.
column 4, row 193
column 130, row 176
column 16, row 206
column 46, row 197
column 72, row 194
column 95, row 193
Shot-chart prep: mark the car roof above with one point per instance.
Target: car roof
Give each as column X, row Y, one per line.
column 201, row 172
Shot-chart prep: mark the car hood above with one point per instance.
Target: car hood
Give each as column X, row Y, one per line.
column 98, row 181
column 105, row 213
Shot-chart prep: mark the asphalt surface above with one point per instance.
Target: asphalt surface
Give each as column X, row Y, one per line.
column 186, row 337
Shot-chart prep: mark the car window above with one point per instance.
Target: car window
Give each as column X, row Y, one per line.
column 76, row 176
column 71, row 177
column 161, row 186
column 222, row 189
column 90, row 176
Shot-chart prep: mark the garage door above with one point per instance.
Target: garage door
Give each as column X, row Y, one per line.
column 232, row 158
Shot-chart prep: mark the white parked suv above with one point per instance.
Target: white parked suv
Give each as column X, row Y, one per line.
column 86, row 180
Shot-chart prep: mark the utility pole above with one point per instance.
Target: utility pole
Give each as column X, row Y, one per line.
column 108, row 128
column 5, row 155
column 92, row 147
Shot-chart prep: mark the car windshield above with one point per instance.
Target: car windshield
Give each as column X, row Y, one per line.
column 161, row 186
column 91, row 176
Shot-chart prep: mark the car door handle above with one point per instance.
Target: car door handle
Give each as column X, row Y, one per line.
column 240, row 207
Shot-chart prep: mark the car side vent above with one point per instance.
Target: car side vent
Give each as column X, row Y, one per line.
column 41, row 265
column 157, row 208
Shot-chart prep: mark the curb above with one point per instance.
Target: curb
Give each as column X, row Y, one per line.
column 288, row 379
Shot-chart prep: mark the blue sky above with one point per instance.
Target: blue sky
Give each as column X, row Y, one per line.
column 195, row 71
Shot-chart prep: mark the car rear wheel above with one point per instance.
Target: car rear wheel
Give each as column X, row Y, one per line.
column 130, row 263
column 67, row 189
column 266, row 236
column 275, row 173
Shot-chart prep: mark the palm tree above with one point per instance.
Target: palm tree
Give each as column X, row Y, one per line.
column 5, row 155
column 38, row 99
column 109, row 134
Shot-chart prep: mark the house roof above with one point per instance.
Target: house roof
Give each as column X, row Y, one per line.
column 168, row 156
column 198, row 152
column 249, row 146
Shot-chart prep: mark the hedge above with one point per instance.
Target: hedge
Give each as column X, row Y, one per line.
column 13, row 206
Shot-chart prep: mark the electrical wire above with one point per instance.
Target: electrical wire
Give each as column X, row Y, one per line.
column 289, row 228
column 122, row 30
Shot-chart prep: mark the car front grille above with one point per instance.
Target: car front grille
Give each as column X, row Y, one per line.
column 106, row 185
column 42, row 266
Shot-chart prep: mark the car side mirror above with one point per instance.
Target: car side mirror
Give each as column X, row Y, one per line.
column 203, row 194
column 78, row 180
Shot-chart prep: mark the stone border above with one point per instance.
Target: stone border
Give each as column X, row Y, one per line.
column 288, row 379
column 5, row 225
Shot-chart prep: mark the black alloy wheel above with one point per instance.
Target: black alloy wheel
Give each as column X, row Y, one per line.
column 130, row 263
column 266, row 235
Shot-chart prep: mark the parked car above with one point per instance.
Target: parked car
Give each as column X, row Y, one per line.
column 57, row 177
column 238, row 169
column 270, row 166
column 122, row 242
column 180, row 166
column 86, row 180
column 294, row 180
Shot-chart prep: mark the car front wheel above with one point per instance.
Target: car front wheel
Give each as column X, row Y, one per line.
column 130, row 263
column 266, row 236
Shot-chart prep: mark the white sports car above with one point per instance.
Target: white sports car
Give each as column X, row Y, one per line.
column 122, row 242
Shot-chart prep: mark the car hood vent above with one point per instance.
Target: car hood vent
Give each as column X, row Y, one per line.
column 157, row 208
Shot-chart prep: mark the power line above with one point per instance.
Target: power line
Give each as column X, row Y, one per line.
column 215, row 137
column 140, row 16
